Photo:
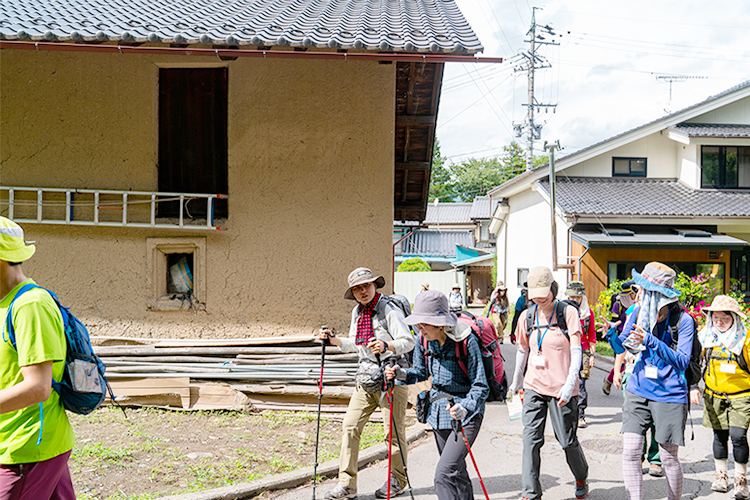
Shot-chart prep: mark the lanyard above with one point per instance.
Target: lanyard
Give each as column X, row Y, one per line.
column 540, row 337
column 666, row 331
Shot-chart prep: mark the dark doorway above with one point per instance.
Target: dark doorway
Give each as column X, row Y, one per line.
column 193, row 139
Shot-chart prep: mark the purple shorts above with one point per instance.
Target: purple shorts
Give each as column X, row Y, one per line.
column 49, row 479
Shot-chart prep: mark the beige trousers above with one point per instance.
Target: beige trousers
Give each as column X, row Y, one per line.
column 500, row 322
column 358, row 413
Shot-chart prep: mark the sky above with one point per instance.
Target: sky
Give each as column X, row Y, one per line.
column 603, row 74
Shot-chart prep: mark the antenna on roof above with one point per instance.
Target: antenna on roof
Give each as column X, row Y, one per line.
column 676, row 78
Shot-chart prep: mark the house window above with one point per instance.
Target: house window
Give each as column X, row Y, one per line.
column 484, row 231
column 177, row 273
column 522, row 274
column 193, row 139
column 628, row 167
column 725, row 167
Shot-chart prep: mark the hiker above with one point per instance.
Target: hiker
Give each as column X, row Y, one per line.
column 33, row 457
column 657, row 391
column 621, row 376
column 499, row 309
column 726, row 406
column 576, row 293
column 521, row 304
column 455, row 395
column 374, row 342
column 550, row 383
column 425, row 287
column 618, row 309
column 455, row 299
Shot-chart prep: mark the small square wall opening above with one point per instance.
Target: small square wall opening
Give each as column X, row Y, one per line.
column 180, row 273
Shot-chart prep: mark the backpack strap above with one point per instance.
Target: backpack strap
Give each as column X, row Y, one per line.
column 558, row 313
column 462, row 346
column 9, row 329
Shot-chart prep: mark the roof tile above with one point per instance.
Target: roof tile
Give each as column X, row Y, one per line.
column 402, row 26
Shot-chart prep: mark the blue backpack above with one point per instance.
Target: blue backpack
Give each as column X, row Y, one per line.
column 83, row 387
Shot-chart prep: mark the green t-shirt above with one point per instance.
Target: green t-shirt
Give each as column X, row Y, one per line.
column 40, row 337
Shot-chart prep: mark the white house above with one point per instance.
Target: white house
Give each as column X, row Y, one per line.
column 676, row 190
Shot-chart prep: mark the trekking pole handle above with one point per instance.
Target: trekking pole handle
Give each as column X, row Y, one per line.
column 329, row 333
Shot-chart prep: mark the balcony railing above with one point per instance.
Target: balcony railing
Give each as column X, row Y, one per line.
column 106, row 207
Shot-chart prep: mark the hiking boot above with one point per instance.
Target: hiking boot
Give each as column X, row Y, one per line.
column 582, row 489
column 741, row 491
column 722, row 482
column 396, row 488
column 655, row 470
column 607, row 387
column 340, row 492
column 582, row 423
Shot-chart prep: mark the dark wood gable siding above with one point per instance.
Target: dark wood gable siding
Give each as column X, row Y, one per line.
column 417, row 98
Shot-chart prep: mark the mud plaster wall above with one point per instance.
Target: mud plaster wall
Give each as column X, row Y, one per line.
column 310, row 187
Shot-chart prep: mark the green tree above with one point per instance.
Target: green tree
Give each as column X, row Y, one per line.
column 413, row 264
column 475, row 176
column 441, row 183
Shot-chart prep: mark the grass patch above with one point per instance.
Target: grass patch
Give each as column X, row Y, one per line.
column 603, row 348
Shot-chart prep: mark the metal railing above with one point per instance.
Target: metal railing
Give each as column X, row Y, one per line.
column 105, row 207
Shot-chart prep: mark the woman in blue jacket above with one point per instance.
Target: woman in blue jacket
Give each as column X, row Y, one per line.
column 459, row 387
column 657, row 390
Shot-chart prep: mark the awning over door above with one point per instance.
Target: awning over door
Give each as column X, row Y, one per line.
column 685, row 240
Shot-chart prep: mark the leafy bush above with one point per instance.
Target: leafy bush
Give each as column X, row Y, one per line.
column 412, row 265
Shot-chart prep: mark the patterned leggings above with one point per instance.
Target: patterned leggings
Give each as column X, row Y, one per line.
column 632, row 447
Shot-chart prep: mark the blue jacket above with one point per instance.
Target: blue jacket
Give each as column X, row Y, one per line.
column 470, row 392
column 670, row 385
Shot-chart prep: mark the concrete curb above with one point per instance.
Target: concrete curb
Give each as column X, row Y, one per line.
column 294, row 478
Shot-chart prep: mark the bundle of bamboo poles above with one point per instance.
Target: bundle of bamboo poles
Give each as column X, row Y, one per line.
column 247, row 374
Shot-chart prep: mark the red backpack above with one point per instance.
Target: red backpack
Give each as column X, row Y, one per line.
column 492, row 358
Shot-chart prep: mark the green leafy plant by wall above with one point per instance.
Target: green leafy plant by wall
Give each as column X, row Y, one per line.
column 412, row 265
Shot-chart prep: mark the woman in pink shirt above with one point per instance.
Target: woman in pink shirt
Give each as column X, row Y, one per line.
column 551, row 381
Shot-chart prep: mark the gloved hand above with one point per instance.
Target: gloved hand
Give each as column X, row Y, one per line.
column 399, row 372
column 458, row 412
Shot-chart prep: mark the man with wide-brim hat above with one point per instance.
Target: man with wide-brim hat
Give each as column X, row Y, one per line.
column 375, row 341
column 498, row 309
column 33, row 457
column 657, row 391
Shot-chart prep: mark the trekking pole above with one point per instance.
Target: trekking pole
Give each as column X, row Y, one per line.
column 398, row 442
column 458, row 427
column 320, row 400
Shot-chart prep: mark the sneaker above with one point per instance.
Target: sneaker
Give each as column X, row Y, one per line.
column 340, row 492
column 582, row 423
column 582, row 489
column 655, row 470
column 722, row 482
column 607, row 387
column 396, row 488
column 741, row 491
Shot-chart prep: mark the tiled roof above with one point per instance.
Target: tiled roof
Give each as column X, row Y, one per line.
column 481, row 208
column 430, row 242
column 448, row 213
column 435, row 26
column 712, row 130
column 645, row 197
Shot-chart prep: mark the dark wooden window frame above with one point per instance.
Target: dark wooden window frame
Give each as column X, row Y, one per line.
column 630, row 166
column 722, row 184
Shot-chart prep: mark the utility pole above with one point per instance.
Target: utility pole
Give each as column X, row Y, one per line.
column 532, row 61
column 552, row 202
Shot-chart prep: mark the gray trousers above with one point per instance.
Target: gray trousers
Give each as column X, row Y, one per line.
column 452, row 480
column 564, row 423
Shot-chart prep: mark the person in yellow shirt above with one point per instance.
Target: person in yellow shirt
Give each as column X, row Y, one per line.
column 726, row 349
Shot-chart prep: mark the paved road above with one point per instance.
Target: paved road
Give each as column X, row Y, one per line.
column 498, row 453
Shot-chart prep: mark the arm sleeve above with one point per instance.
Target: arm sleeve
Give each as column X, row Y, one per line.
column 39, row 330
column 479, row 389
column 348, row 344
column 680, row 357
column 420, row 371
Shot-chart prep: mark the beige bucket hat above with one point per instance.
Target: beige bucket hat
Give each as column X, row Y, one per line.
column 360, row 276
column 725, row 303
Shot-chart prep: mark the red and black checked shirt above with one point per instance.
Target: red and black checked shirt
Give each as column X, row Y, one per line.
column 364, row 322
